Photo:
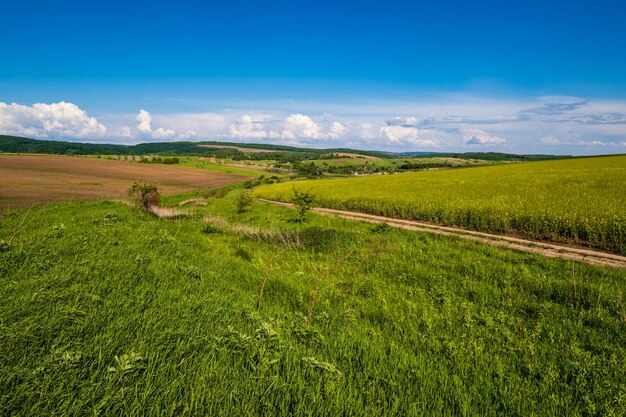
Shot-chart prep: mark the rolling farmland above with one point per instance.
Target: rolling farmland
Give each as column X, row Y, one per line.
column 31, row 179
column 574, row 201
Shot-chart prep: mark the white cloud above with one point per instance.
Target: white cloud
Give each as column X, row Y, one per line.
column 366, row 132
column 479, row 137
column 247, row 128
column 403, row 121
column 451, row 122
column 190, row 134
column 300, row 126
column 337, row 131
column 161, row 133
column 551, row 140
column 144, row 126
column 406, row 135
column 124, row 132
column 204, row 125
column 144, row 121
column 596, row 143
column 55, row 120
column 398, row 134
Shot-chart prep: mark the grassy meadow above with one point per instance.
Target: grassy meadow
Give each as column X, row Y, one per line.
column 579, row 200
column 109, row 310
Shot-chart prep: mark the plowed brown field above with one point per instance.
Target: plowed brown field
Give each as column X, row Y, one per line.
column 32, row 179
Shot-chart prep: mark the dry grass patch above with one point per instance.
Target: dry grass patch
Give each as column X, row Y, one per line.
column 169, row 212
column 193, row 202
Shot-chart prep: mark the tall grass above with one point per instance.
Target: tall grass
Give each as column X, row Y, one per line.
column 108, row 310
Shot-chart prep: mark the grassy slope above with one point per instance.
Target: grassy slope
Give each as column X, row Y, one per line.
column 404, row 324
column 249, row 172
column 579, row 199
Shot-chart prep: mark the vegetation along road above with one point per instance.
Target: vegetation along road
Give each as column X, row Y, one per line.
column 546, row 249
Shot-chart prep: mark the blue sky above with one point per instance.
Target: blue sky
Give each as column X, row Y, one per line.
column 437, row 76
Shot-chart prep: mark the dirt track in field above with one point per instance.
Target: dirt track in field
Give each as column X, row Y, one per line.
column 26, row 180
column 551, row 250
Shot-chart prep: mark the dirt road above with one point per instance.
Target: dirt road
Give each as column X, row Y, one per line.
column 551, row 250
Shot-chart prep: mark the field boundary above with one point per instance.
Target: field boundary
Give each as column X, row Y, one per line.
column 551, row 250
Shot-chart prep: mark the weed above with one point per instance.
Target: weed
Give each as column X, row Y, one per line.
column 130, row 362
column 380, row 228
column 242, row 253
column 325, row 369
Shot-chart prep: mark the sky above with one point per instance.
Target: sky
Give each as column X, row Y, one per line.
column 520, row 77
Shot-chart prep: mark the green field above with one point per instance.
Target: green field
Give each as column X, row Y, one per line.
column 108, row 310
column 580, row 200
column 393, row 164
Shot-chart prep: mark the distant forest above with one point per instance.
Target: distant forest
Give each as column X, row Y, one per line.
column 16, row 144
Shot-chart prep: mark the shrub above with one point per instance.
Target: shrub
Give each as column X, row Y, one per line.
column 244, row 201
column 303, row 201
column 217, row 193
column 147, row 193
column 211, row 229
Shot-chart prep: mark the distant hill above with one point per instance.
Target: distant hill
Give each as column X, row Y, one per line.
column 487, row 156
column 16, row 144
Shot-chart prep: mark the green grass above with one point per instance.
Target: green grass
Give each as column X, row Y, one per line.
column 109, row 310
column 391, row 163
column 254, row 171
column 579, row 200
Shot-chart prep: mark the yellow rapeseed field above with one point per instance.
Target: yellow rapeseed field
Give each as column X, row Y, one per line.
column 581, row 200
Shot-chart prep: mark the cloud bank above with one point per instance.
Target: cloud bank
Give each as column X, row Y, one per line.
column 452, row 122
column 55, row 120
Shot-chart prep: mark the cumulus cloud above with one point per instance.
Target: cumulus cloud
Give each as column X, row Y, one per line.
column 247, row 127
column 55, row 120
column 161, row 133
column 144, row 126
column 337, row 131
column 401, row 134
column 300, row 126
column 144, row 121
column 449, row 121
column 479, row 137
column 398, row 134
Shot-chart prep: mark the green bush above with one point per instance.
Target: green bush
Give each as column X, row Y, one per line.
column 303, row 201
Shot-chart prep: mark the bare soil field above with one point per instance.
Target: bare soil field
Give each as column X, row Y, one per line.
column 32, row 179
